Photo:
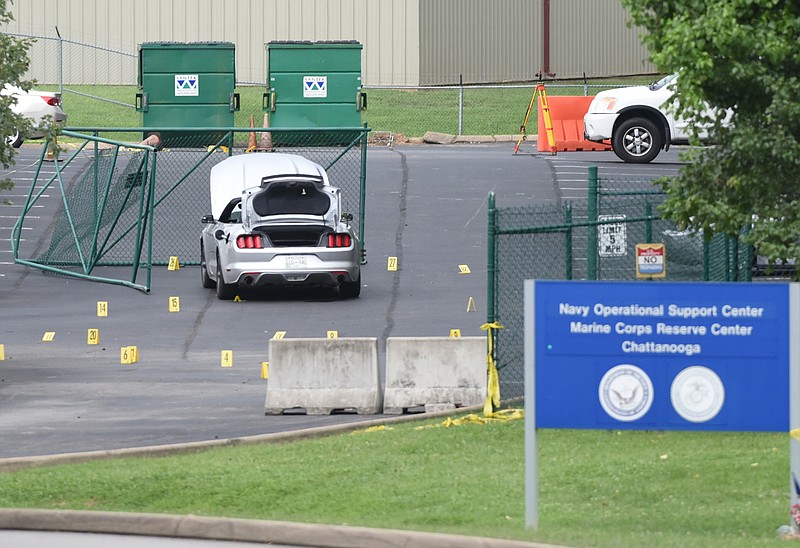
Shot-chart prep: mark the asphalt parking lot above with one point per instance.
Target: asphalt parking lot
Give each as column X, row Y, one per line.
column 426, row 205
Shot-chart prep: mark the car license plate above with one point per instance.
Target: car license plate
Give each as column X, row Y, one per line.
column 296, row 261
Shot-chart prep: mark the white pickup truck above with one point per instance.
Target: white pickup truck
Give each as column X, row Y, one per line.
column 636, row 120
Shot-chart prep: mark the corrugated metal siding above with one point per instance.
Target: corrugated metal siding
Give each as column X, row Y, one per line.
column 593, row 37
column 387, row 29
column 485, row 41
column 406, row 42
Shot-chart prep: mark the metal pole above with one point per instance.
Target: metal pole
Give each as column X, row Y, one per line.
column 591, row 236
column 60, row 69
column 568, row 244
column 460, row 104
column 363, row 205
column 490, row 255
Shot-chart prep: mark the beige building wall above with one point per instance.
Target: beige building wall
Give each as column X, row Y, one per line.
column 406, row 42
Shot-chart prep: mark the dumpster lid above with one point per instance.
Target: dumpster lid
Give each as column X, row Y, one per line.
column 149, row 45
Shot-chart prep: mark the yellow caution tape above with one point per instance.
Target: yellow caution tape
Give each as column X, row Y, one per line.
column 473, row 418
column 379, row 428
column 493, row 383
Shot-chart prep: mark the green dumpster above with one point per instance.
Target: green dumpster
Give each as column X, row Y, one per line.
column 314, row 85
column 187, row 85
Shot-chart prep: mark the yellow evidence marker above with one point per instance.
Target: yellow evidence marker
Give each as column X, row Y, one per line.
column 392, row 264
column 264, row 370
column 93, row 336
column 174, row 304
column 471, row 305
column 134, row 352
column 174, row 264
column 455, row 333
column 125, row 355
column 2, row 352
column 102, row 309
column 464, row 269
column 279, row 335
column 227, row 358
column 333, row 334
column 49, row 336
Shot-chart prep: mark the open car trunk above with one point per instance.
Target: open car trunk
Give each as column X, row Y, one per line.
column 293, row 213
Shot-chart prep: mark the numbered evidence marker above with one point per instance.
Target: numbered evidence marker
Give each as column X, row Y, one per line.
column 174, row 304
column 102, row 309
column 227, row 358
column 128, row 354
column 392, row 265
column 93, row 336
column 464, row 269
column 173, row 263
column 2, row 352
column 454, row 333
column 264, row 370
column 333, row 334
column 471, row 305
column 279, row 335
column 49, row 336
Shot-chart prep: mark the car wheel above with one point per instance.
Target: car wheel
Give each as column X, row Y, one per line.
column 225, row 292
column 637, row 141
column 15, row 139
column 350, row 290
column 208, row 283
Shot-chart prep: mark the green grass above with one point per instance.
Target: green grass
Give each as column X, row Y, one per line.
column 597, row 488
column 493, row 111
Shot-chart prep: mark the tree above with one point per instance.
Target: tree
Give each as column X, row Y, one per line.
column 13, row 65
column 740, row 57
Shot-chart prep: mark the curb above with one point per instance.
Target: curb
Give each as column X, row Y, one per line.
column 11, row 464
column 240, row 530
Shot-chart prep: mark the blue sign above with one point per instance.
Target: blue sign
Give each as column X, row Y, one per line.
column 663, row 356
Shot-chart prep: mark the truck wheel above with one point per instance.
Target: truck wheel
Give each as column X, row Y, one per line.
column 637, row 141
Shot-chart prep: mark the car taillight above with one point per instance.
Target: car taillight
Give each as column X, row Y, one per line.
column 51, row 100
column 338, row 240
column 250, row 241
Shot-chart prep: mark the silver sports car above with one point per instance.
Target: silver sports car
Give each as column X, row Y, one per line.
column 276, row 220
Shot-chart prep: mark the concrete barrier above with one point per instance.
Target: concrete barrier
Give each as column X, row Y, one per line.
column 323, row 375
column 434, row 372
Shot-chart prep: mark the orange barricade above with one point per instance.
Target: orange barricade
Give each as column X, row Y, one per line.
column 566, row 113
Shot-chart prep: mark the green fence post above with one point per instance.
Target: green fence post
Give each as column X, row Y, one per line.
column 591, row 236
column 490, row 255
column 568, row 243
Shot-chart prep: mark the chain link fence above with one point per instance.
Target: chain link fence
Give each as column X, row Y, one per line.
column 572, row 241
column 128, row 204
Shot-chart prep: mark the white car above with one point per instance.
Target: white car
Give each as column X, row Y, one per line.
column 636, row 120
column 36, row 106
column 276, row 220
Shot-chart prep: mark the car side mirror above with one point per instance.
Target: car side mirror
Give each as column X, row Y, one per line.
column 207, row 219
column 219, row 234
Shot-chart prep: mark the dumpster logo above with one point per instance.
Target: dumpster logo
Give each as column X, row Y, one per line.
column 315, row 86
column 187, row 85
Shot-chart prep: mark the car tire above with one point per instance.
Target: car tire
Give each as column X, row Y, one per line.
column 225, row 292
column 637, row 141
column 15, row 139
column 208, row 283
column 350, row 290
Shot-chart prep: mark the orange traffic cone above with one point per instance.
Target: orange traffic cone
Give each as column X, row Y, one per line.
column 266, row 136
column 252, row 145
